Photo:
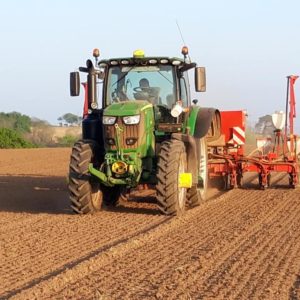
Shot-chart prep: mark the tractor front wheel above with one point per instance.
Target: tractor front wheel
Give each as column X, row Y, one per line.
column 85, row 193
column 172, row 162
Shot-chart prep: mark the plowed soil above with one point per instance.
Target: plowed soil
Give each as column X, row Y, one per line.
column 242, row 244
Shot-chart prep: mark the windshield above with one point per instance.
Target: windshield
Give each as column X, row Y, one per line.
column 152, row 83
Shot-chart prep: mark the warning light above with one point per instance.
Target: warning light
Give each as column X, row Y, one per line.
column 139, row 54
column 96, row 52
column 185, row 50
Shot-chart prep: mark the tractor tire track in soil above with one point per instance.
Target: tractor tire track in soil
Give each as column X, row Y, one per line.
column 242, row 244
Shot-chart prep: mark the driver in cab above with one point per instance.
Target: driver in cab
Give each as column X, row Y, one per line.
column 145, row 92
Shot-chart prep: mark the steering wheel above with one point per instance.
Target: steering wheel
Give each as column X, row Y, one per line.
column 139, row 89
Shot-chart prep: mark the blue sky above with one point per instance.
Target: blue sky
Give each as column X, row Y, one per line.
column 247, row 47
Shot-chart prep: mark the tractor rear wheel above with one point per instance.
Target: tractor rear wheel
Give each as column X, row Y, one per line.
column 171, row 164
column 198, row 193
column 85, row 193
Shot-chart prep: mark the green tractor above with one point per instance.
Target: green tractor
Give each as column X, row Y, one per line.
column 140, row 127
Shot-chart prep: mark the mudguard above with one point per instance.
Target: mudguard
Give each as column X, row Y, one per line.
column 204, row 120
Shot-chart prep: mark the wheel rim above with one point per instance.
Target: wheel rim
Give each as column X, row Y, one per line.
column 203, row 169
column 181, row 191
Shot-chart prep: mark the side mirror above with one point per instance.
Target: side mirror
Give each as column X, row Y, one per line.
column 200, row 79
column 74, row 84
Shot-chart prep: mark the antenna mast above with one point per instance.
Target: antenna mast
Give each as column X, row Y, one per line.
column 181, row 35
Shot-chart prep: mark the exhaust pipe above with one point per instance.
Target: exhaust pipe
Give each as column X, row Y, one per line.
column 92, row 85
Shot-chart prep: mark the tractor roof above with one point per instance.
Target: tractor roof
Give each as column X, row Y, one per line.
column 153, row 60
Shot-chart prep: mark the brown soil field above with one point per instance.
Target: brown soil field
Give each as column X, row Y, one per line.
column 242, row 244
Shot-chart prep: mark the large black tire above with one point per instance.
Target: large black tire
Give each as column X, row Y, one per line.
column 291, row 180
column 85, row 194
column 199, row 192
column 171, row 163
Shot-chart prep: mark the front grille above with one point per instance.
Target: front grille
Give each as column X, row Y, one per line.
column 128, row 132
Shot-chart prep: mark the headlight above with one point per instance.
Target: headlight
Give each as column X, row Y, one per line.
column 131, row 120
column 108, row 120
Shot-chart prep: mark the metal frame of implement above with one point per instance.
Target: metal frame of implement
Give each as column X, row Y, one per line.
column 229, row 161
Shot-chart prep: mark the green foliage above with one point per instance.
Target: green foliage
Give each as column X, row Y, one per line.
column 10, row 138
column 67, row 140
column 14, row 120
column 70, row 118
column 20, row 131
column 22, row 123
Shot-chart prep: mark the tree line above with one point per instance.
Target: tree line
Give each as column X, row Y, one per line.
column 21, row 131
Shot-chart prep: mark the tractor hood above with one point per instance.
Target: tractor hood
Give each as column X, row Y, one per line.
column 126, row 108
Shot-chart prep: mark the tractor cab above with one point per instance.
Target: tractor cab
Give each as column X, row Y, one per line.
column 161, row 81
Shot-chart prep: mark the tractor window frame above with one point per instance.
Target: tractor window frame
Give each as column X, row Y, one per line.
column 184, row 88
